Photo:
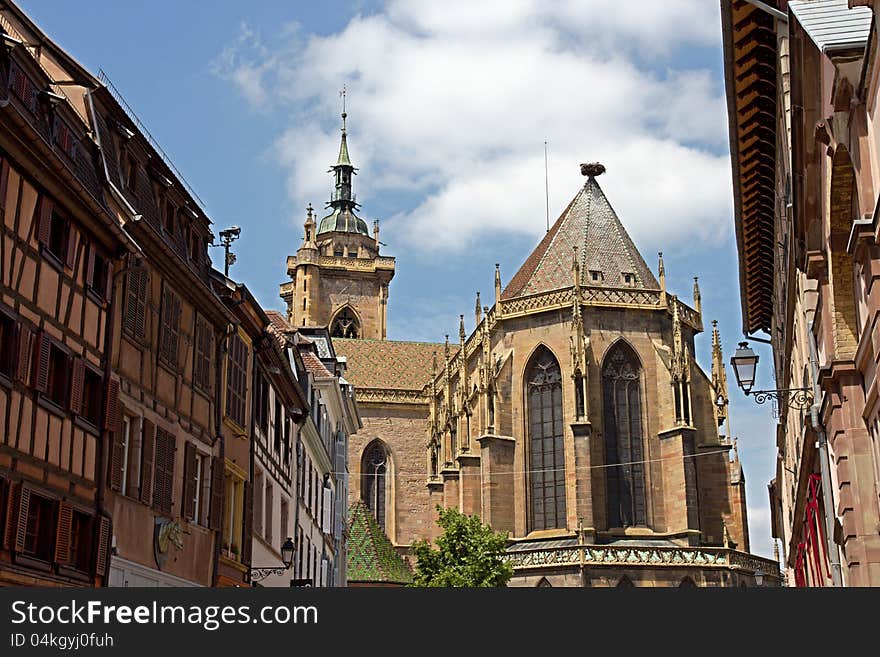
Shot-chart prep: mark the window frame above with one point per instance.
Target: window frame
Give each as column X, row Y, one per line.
column 547, row 384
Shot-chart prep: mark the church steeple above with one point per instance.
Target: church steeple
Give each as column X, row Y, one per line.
column 338, row 278
column 343, row 202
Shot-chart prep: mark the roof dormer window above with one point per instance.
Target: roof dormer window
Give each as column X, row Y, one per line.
column 629, row 278
column 596, row 275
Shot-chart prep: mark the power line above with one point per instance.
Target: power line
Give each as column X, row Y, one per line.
column 563, row 469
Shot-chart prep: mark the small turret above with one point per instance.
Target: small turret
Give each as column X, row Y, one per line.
column 309, row 229
column 478, row 312
column 698, row 300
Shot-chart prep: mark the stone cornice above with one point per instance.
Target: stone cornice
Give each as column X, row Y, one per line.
column 390, row 396
column 651, row 557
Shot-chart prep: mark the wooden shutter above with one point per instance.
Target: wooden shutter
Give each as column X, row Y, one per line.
column 70, row 260
column 164, row 466
column 218, row 490
column 41, row 371
column 62, row 533
column 112, row 409
column 189, row 481
column 247, row 538
column 12, row 493
column 148, row 445
column 76, row 389
column 328, row 506
column 257, row 504
column 45, row 222
column 24, row 505
column 103, row 551
column 24, row 352
column 159, row 470
column 4, row 183
column 108, row 282
column 90, row 267
column 117, row 447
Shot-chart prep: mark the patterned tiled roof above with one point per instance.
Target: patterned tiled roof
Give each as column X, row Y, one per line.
column 371, row 556
column 389, row 364
column 603, row 245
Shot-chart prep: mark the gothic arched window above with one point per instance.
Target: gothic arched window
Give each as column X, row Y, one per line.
column 546, row 447
column 624, row 437
column 345, row 325
column 374, row 467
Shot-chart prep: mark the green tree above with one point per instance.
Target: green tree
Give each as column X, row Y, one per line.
column 468, row 553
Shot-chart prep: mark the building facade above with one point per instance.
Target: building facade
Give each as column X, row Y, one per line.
column 573, row 416
column 60, row 249
column 802, row 96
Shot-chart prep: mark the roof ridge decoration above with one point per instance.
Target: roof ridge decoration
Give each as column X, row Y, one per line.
column 608, row 256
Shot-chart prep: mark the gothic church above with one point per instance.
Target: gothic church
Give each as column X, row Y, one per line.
column 573, row 416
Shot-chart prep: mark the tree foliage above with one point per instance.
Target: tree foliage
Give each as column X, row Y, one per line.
column 468, row 554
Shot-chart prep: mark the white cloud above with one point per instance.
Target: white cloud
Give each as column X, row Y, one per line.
column 450, row 103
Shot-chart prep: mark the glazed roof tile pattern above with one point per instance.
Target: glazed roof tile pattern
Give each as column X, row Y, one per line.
column 371, row 556
column 589, row 224
column 389, row 364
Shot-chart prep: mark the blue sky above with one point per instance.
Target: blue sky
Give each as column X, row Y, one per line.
column 449, row 106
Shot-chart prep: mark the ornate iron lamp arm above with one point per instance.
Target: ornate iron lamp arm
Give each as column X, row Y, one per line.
column 799, row 398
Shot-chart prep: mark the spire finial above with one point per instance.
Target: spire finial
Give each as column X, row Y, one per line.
column 461, row 333
column 478, row 311
column 343, row 93
column 697, row 296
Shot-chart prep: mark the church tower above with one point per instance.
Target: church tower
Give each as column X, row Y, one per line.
column 337, row 277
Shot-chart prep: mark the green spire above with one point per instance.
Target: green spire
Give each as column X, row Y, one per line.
column 343, row 159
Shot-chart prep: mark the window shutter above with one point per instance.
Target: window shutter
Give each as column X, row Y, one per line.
column 164, row 467
column 62, row 533
column 328, row 505
column 103, row 551
column 41, row 371
column 108, row 282
column 76, row 390
column 4, row 183
column 24, row 504
column 12, row 493
column 217, row 493
column 112, row 409
column 257, row 504
column 70, row 260
column 159, row 470
column 116, row 457
column 189, row 481
column 45, row 225
column 149, row 439
column 247, row 538
column 24, row 352
column 90, row 266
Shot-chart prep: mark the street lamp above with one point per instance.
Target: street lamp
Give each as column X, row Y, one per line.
column 227, row 237
column 745, row 364
column 262, row 572
column 759, row 577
